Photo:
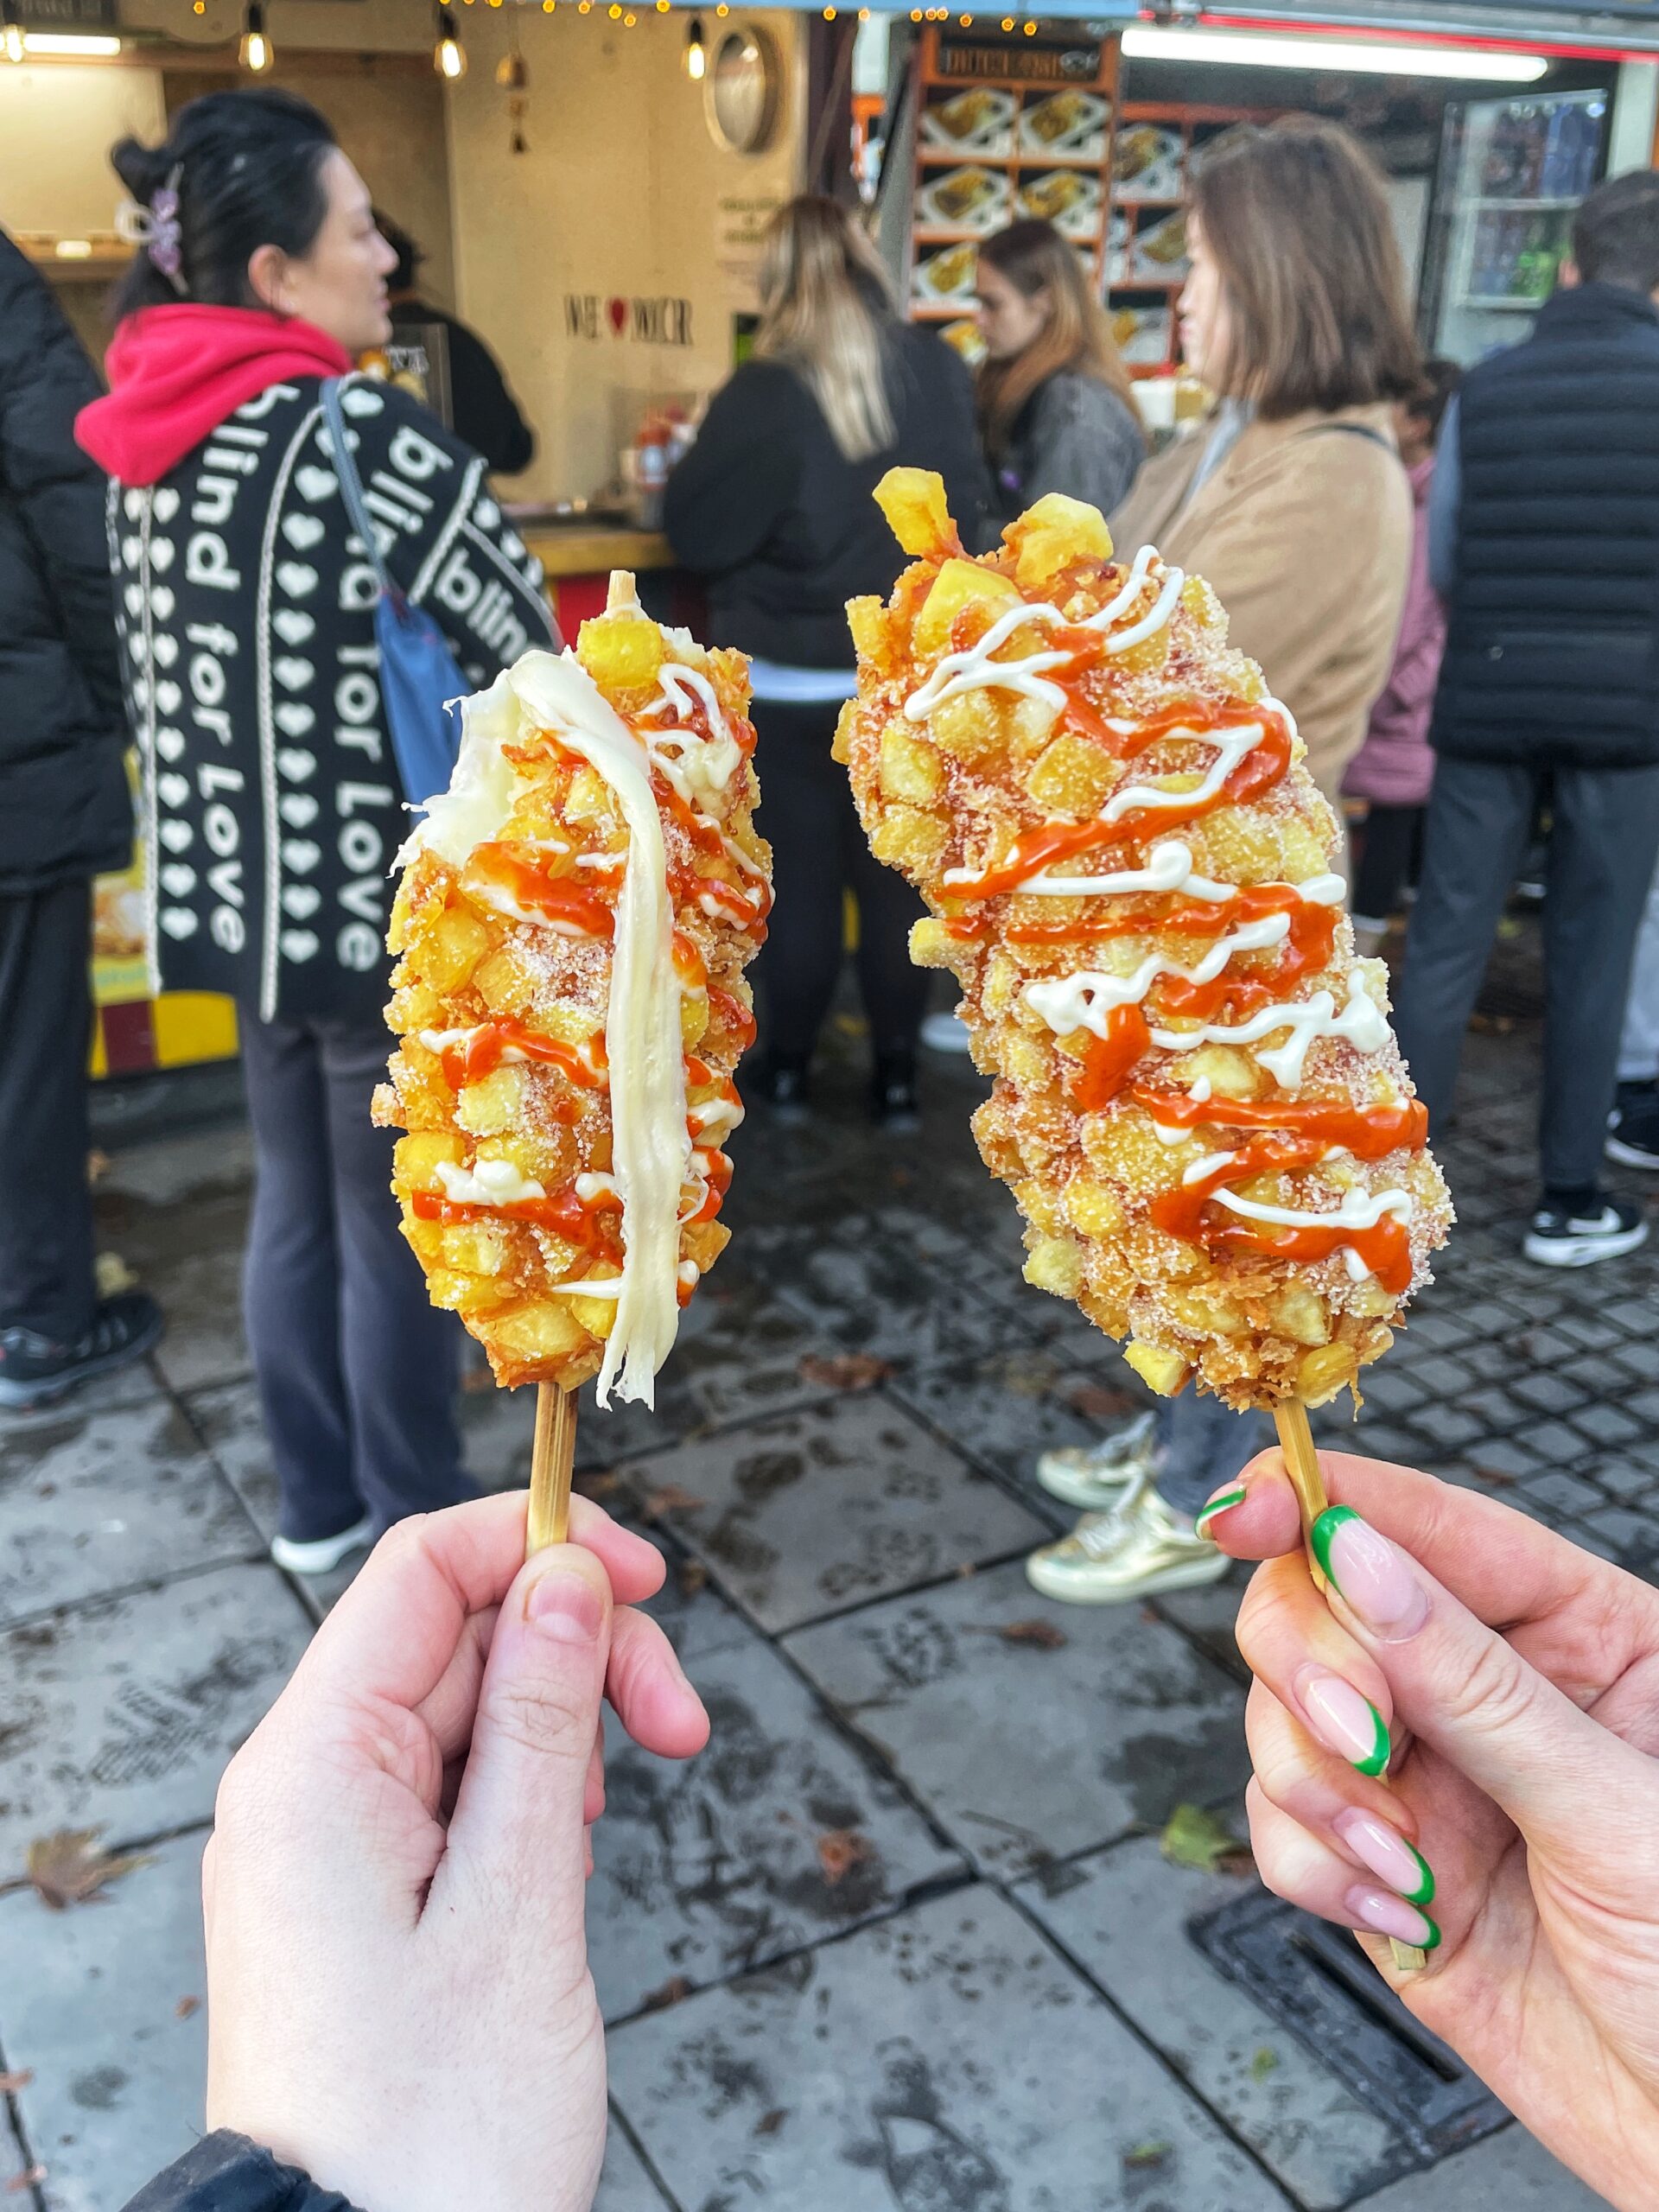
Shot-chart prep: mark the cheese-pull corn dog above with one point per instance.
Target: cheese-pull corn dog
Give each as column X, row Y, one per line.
column 572, row 922
column 1199, row 1103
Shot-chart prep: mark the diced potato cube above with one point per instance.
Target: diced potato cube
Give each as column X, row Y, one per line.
column 1208, row 1311
column 459, row 1292
column 1050, row 536
column 545, row 1155
column 568, row 1020
column 1094, row 1207
column 417, row 1156
column 841, row 746
column 1369, row 1297
column 1071, row 776
column 1054, row 1264
column 911, row 769
column 1162, row 1371
column 960, row 584
column 541, row 1330
column 1030, row 723
column 415, row 1005
column 914, row 502
column 1025, row 1062
column 907, row 838
column 448, row 954
column 968, row 726
column 868, row 620
column 503, row 984
column 1040, row 1207
column 1229, row 1070
column 425, row 1238
column 1320, row 1374
column 694, row 1018
column 588, row 798
column 622, row 651
column 480, row 1247
column 704, row 1241
column 488, row 1108
column 1300, row 1313
column 596, row 1315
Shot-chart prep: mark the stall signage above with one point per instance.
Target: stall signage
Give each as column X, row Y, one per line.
column 1036, row 65
column 67, row 15
column 656, row 319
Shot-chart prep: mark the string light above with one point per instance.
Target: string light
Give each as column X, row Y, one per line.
column 11, row 32
column 829, row 15
column 696, row 53
column 629, row 20
column 1007, row 23
column 255, row 52
column 965, row 21
column 1031, row 30
column 448, row 55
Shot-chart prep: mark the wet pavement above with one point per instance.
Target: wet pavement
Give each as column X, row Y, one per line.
column 904, row 1939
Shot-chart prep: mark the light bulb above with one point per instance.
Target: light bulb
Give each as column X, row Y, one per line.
column 696, row 53
column 255, row 52
column 448, row 55
column 11, row 32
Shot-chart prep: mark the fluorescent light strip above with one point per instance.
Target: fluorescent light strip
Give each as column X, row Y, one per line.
column 1379, row 57
column 83, row 46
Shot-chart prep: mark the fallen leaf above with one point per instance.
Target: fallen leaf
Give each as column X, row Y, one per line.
column 1500, row 1477
column 844, row 1370
column 186, row 2006
column 693, row 1577
column 670, row 1993
column 839, row 1852
column 31, row 2177
column 1194, row 1838
column 1146, row 2154
column 10, row 2083
column 70, row 1866
column 1097, row 1402
column 671, row 1499
column 1041, row 1635
column 770, row 2122
column 113, row 1275
column 1265, row 2061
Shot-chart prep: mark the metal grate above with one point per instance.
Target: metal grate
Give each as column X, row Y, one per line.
column 1314, row 1980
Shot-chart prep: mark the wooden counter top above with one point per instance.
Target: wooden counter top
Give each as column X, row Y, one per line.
column 564, row 551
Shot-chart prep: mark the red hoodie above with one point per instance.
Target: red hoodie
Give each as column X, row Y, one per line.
column 177, row 373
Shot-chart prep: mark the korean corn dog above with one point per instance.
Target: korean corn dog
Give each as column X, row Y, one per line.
column 1199, row 1105
column 572, row 921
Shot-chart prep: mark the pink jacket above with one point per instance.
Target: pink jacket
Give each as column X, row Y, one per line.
column 1395, row 767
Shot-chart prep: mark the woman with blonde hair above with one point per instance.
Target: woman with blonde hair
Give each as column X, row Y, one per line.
column 1057, row 412
column 772, row 505
column 1293, row 502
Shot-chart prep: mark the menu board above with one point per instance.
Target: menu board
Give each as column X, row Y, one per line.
column 1007, row 129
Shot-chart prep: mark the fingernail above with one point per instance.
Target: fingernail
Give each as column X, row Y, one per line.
column 1386, row 1852
column 1344, row 1721
column 564, row 1607
column 1390, row 1915
column 1370, row 1575
column 1223, row 1502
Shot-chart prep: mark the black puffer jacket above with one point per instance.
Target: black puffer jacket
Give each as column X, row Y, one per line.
column 64, row 807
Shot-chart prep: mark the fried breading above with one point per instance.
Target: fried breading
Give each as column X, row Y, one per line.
column 1199, row 1104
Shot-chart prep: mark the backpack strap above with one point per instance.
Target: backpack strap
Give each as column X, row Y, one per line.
column 350, row 484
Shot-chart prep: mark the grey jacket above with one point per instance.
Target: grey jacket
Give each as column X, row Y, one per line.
column 1073, row 434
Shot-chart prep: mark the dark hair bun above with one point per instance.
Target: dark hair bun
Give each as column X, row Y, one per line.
column 143, row 169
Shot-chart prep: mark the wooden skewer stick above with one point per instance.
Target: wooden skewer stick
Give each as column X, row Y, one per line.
column 550, row 1462
column 1302, row 1465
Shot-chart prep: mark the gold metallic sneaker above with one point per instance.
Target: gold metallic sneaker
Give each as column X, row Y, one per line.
column 1140, row 1548
column 1095, row 1477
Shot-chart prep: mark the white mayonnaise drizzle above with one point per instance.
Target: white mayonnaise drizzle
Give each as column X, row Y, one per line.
column 716, row 1118
column 1231, row 746
column 1084, row 1001
column 1358, row 1210
column 650, row 1147
column 1360, row 1022
column 704, row 767
column 486, row 1182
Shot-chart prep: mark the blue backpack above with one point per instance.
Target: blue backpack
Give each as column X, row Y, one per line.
column 419, row 677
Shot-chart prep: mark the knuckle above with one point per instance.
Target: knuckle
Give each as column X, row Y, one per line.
column 1490, row 1690
column 544, row 1718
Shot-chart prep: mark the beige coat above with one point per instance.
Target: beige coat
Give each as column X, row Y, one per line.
column 1304, row 531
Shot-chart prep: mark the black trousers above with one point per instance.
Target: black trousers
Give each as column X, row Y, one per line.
column 357, row 1370
column 819, row 852
column 1603, row 838
column 1388, row 860
column 46, row 1017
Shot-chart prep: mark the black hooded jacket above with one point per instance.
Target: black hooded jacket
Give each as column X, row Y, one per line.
column 64, row 806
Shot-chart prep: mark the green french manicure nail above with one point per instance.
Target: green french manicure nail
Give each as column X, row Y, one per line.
column 1321, row 1535
column 1223, row 1503
column 1432, row 1940
column 1424, row 1892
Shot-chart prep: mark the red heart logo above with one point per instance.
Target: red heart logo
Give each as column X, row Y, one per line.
column 618, row 312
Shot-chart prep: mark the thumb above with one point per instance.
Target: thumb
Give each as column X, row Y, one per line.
column 517, row 1824
column 1463, row 1688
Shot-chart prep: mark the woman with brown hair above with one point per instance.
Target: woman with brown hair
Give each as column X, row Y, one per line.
column 1056, row 410
column 1292, row 503
column 772, row 505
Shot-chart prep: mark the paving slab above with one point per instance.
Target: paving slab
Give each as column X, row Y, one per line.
column 625, row 2186
column 122, row 1713
column 1122, row 1915
column 943, row 2061
column 1004, row 1408
column 127, row 1386
column 809, row 1512
column 1508, row 2172
column 782, row 1834
column 167, row 1171
column 1027, row 1754
column 113, row 2028
column 893, row 1281
column 93, row 1503
column 190, row 1260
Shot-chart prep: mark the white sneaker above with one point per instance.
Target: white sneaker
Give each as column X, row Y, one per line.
column 1142, row 1547
column 1093, row 1478
column 945, row 1032
column 323, row 1556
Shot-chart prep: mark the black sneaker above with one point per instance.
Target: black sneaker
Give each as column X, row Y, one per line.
column 1633, row 1126
column 34, row 1370
column 893, row 1104
column 783, row 1085
column 1560, row 1238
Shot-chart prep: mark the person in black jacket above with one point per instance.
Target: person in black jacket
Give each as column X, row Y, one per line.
column 773, row 505
column 483, row 412
column 65, row 816
column 272, row 802
column 1544, row 542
